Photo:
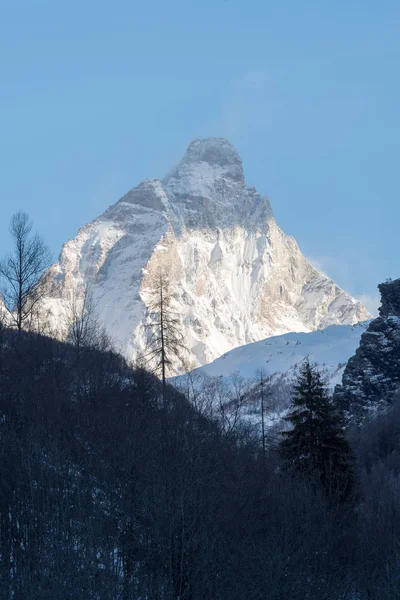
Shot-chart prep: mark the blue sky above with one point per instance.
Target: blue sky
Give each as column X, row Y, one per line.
column 95, row 96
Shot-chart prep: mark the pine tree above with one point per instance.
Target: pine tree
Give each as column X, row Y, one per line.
column 316, row 445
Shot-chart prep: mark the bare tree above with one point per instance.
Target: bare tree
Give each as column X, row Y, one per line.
column 229, row 399
column 200, row 391
column 83, row 327
column 21, row 272
column 3, row 321
column 164, row 335
column 262, row 385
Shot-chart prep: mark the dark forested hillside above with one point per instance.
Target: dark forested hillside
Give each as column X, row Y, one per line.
column 108, row 493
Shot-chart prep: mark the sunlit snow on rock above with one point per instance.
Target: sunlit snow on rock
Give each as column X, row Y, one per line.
column 236, row 277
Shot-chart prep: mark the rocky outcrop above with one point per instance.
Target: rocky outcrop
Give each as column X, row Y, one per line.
column 372, row 375
column 390, row 298
column 236, row 277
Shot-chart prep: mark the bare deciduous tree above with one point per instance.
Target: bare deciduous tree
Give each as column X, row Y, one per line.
column 229, row 399
column 82, row 324
column 200, row 391
column 21, row 272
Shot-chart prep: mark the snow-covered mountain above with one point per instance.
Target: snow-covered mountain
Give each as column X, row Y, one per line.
column 275, row 356
column 235, row 276
column 231, row 383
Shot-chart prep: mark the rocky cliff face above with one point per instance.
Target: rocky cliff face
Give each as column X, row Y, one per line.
column 372, row 375
column 235, row 276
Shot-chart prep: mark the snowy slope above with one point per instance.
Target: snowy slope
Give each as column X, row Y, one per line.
column 236, row 277
column 329, row 348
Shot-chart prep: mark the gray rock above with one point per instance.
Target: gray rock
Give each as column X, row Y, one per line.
column 372, row 375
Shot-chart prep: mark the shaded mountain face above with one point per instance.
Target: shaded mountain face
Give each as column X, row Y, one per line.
column 278, row 358
column 281, row 356
column 372, row 375
column 235, row 276
column 233, row 380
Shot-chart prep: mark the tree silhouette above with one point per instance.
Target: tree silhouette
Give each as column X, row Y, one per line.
column 165, row 340
column 21, row 272
column 316, row 444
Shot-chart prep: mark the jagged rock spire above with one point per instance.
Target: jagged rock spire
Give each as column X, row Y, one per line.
column 372, row 375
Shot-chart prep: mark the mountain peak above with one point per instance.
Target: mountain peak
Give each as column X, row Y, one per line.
column 215, row 155
column 235, row 276
column 214, row 151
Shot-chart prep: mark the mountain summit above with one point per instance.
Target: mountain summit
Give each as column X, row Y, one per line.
column 236, row 277
column 216, row 152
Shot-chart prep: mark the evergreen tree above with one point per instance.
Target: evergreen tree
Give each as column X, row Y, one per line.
column 316, row 445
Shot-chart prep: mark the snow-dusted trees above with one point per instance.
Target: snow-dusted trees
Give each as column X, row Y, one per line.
column 165, row 341
column 316, row 445
column 21, row 272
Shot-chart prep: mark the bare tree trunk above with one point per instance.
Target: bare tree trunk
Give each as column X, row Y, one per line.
column 165, row 339
column 262, row 382
column 162, row 333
